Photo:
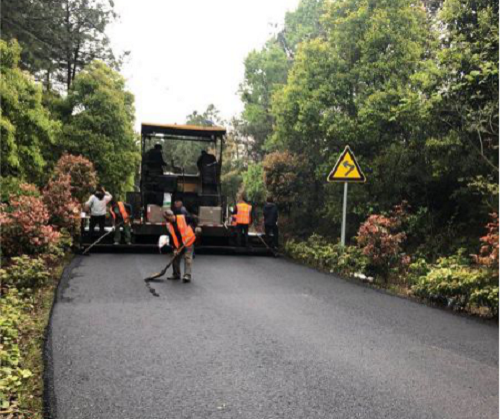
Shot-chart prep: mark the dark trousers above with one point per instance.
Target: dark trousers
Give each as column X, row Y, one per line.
column 97, row 220
column 272, row 235
column 242, row 232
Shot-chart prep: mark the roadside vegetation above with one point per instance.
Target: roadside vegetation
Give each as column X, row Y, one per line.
column 66, row 125
column 412, row 88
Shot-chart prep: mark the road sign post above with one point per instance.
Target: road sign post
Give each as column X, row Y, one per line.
column 346, row 170
column 344, row 217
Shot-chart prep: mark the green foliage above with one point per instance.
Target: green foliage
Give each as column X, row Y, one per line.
column 98, row 125
column 231, row 184
column 468, row 81
column 284, row 178
column 27, row 130
column 25, row 272
column 15, row 187
column 253, row 184
column 319, row 253
column 266, row 71
column 452, row 282
column 12, row 375
column 59, row 38
column 415, row 95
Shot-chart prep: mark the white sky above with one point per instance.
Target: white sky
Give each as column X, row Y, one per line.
column 186, row 54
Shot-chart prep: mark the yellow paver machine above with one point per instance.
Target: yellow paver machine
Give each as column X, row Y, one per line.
column 179, row 162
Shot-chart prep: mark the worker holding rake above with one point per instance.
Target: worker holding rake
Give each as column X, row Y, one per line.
column 183, row 238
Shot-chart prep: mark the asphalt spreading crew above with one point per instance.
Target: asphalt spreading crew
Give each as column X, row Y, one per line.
column 182, row 235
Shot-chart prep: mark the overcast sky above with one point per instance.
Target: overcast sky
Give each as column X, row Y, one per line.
column 186, row 54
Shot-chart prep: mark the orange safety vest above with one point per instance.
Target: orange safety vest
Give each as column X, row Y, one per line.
column 243, row 214
column 187, row 233
column 123, row 212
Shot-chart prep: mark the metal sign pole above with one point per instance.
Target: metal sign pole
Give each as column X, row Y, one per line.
column 344, row 216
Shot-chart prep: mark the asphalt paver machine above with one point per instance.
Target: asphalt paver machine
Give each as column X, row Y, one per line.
column 180, row 161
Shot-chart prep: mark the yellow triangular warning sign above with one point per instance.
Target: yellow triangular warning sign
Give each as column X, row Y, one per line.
column 346, row 169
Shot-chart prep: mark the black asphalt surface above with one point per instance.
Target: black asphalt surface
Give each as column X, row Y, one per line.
column 258, row 338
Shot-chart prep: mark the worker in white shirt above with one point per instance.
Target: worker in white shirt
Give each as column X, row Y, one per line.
column 97, row 205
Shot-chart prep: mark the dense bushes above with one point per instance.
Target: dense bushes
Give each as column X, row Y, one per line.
column 282, row 174
column 458, row 282
column 82, row 174
column 63, row 208
column 12, row 375
column 453, row 282
column 37, row 230
column 318, row 252
column 25, row 272
column 25, row 225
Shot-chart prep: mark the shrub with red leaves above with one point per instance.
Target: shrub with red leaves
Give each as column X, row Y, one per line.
column 82, row 173
column 380, row 239
column 488, row 254
column 25, row 225
column 64, row 210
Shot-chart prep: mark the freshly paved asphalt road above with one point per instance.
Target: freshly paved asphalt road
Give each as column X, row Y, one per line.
column 258, row 338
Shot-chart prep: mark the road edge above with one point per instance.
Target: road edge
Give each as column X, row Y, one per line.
column 49, row 397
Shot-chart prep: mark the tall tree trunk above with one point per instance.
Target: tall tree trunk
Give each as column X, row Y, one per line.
column 68, row 47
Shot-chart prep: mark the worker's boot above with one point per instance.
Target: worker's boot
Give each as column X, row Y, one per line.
column 187, row 278
column 174, row 278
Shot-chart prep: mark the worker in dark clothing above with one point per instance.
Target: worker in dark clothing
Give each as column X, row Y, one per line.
column 271, row 222
column 244, row 218
column 153, row 159
column 207, row 166
column 122, row 219
column 180, row 209
column 183, row 238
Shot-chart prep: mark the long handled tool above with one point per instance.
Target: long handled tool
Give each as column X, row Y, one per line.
column 267, row 246
column 100, row 238
column 164, row 270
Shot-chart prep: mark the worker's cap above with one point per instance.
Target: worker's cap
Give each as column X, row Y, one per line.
column 168, row 213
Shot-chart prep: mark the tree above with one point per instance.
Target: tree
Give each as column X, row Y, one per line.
column 253, row 183
column 28, row 132
column 466, row 94
column 266, row 71
column 98, row 117
column 59, row 37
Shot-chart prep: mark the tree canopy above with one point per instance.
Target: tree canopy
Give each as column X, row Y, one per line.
column 28, row 131
column 59, row 38
column 98, row 116
column 412, row 87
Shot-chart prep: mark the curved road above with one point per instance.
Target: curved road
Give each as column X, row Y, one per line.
column 257, row 338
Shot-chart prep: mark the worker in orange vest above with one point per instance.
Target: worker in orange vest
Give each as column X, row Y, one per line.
column 244, row 219
column 122, row 219
column 183, row 238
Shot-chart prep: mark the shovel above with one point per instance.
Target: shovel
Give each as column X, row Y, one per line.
column 164, row 270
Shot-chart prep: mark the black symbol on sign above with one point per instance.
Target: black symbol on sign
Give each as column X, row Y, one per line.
column 348, row 166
